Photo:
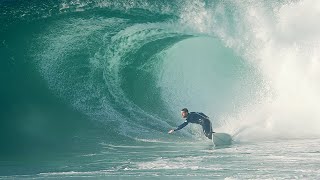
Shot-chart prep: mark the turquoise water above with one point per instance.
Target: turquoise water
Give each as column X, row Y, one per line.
column 91, row 88
column 184, row 160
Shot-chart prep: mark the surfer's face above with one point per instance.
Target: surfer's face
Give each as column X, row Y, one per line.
column 184, row 114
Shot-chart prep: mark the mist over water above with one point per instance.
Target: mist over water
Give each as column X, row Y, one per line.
column 283, row 46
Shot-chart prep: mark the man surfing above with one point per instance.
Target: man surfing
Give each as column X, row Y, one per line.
column 198, row 118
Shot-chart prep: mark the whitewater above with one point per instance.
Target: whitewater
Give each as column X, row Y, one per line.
column 91, row 88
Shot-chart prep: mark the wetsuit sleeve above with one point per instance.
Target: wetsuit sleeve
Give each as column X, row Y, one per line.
column 181, row 126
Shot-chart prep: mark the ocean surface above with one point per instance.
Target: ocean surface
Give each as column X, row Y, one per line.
column 89, row 89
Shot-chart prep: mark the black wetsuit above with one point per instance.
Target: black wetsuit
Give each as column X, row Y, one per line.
column 198, row 118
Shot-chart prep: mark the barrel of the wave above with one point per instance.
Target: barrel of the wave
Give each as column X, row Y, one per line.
column 221, row 139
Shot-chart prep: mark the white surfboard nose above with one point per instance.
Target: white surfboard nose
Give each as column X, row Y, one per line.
column 221, row 139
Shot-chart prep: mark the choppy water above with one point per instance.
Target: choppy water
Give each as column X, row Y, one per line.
column 89, row 89
column 292, row 159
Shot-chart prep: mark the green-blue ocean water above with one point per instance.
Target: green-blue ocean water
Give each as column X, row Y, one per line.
column 89, row 89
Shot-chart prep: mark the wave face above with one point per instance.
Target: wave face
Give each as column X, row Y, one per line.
column 132, row 65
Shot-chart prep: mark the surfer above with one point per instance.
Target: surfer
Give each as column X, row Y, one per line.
column 198, row 118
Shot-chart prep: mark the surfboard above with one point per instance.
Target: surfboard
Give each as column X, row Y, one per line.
column 221, row 139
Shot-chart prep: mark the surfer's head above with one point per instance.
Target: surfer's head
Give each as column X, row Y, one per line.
column 184, row 112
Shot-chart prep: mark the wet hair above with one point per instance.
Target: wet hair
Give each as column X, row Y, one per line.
column 185, row 110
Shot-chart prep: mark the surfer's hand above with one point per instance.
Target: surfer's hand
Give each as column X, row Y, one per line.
column 171, row 131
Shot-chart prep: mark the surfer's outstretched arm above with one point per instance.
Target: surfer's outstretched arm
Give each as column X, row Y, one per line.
column 179, row 127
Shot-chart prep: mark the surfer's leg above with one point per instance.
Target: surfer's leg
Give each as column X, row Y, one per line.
column 207, row 128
